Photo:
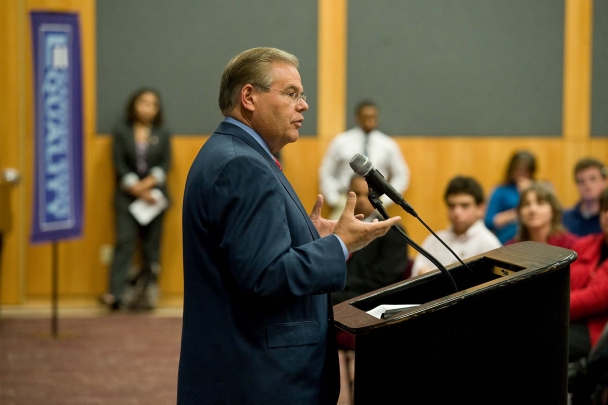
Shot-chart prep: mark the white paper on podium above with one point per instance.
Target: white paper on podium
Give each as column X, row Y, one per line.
column 380, row 309
column 144, row 212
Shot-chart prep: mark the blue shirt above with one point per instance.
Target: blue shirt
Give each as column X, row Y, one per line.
column 574, row 221
column 503, row 198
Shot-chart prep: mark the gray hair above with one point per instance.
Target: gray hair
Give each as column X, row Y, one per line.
column 252, row 66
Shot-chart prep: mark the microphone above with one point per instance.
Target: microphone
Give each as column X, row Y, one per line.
column 363, row 167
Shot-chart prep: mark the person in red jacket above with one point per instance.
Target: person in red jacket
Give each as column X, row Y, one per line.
column 589, row 288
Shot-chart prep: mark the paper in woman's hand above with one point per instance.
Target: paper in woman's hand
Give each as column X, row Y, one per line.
column 145, row 212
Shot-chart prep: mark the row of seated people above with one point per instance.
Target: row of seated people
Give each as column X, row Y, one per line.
column 539, row 217
column 502, row 217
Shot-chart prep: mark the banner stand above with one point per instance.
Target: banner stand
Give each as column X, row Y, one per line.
column 58, row 185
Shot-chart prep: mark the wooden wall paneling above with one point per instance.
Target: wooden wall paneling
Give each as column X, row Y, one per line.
column 577, row 69
column 99, row 212
column 12, row 103
column 332, row 77
column 332, row 69
column 301, row 168
column 573, row 151
column 598, row 148
column 185, row 149
column 578, row 29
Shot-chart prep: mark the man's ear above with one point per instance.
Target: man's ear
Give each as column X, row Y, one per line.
column 481, row 210
column 248, row 97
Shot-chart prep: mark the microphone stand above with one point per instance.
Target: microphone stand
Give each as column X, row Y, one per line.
column 374, row 198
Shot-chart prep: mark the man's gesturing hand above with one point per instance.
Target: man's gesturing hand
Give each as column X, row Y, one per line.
column 356, row 234
column 324, row 226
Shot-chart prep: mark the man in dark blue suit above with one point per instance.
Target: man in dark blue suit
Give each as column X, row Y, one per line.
column 258, row 271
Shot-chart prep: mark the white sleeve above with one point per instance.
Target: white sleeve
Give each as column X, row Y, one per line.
column 421, row 261
column 159, row 174
column 329, row 183
column 400, row 171
column 128, row 180
column 491, row 242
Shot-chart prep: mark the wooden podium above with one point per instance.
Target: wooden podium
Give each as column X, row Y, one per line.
column 501, row 339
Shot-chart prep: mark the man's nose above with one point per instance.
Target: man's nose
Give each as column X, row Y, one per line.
column 302, row 105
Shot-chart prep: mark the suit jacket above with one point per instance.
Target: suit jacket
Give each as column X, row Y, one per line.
column 125, row 158
column 258, row 321
column 381, row 263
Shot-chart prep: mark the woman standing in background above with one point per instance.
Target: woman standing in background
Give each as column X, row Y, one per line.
column 141, row 157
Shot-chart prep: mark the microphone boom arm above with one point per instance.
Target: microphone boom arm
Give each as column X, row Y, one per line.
column 374, row 198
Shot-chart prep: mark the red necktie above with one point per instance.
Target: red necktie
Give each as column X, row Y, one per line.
column 276, row 161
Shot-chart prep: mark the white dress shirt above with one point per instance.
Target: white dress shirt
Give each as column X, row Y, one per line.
column 382, row 150
column 476, row 240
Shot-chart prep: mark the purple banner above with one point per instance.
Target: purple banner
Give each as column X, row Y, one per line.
column 58, row 187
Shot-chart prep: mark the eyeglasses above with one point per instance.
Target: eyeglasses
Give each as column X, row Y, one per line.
column 295, row 97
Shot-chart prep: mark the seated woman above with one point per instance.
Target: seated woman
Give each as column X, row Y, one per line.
column 501, row 215
column 540, row 218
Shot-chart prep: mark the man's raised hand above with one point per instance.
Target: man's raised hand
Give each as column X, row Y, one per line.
column 357, row 234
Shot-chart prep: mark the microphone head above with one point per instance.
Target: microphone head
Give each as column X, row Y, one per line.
column 361, row 164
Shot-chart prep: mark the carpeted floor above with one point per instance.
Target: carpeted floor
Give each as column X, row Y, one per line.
column 117, row 359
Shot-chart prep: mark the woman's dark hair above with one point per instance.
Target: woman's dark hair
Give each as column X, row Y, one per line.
column 521, row 158
column 130, row 112
column 543, row 193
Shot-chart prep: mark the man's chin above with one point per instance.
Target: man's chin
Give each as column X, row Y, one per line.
column 291, row 138
column 460, row 229
column 294, row 136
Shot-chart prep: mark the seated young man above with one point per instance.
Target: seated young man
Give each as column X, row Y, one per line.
column 467, row 235
column 583, row 218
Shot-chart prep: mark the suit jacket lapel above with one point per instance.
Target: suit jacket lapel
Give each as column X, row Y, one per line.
column 227, row 128
column 153, row 145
